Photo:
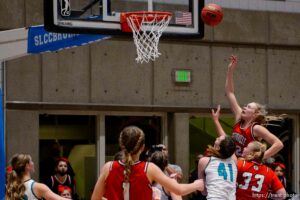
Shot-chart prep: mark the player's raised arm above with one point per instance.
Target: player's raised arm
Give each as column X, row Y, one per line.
column 215, row 117
column 229, row 88
column 265, row 134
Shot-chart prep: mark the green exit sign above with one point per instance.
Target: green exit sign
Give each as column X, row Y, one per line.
column 183, row 76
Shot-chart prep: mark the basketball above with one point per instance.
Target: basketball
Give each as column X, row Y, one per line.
column 212, row 14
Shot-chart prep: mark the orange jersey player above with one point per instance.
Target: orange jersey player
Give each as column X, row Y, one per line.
column 255, row 180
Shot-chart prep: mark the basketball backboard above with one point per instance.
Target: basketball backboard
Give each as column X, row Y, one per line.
column 103, row 16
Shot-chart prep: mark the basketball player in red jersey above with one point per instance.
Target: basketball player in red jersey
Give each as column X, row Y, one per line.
column 130, row 178
column 249, row 119
column 255, row 180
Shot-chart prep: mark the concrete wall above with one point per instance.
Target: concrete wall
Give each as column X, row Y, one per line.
column 181, row 129
column 73, row 77
column 23, row 79
column 22, row 132
column 20, row 13
column 267, row 45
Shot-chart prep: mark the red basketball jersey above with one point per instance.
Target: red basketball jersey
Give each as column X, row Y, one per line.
column 242, row 137
column 140, row 187
column 255, row 181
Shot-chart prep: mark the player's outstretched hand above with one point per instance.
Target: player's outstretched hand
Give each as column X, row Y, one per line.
column 216, row 115
column 200, row 184
column 233, row 61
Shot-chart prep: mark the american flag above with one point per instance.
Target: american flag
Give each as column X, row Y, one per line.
column 182, row 17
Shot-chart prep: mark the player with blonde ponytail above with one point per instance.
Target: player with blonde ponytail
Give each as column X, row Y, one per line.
column 20, row 186
column 250, row 120
column 130, row 178
column 255, row 180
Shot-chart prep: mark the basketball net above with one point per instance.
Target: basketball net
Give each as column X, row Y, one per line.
column 147, row 27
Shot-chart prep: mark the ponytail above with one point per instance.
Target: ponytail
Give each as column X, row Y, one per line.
column 211, row 151
column 263, row 118
column 128, row 162
column 15, row 188
column 131, row 140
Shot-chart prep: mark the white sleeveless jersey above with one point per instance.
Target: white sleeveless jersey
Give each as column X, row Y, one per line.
column 29, row 194
column 220, row 178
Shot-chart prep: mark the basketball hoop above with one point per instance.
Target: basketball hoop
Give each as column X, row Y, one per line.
column 147, row 27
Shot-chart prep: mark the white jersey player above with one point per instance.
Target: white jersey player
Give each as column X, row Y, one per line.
column 218, row 169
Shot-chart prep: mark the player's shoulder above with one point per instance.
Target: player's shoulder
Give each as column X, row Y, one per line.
column 107, row 166
column 152, row 169
column 204, row 161
column 263, row 169
column 151, row 166
column 258, row 128
column 241, row 163
column 269, row 171
column 269, row 175
column 39, row 188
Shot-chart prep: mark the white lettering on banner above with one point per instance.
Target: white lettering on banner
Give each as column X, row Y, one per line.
column 46, row 38
column 59, row 37
column 52, row 37
column 36, row 41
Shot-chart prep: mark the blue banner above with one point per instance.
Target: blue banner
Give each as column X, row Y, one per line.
column 40, row 40
column 2, row 150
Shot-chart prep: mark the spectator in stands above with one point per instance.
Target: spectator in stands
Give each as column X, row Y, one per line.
column 160, row 159
column 279, row 169
column 172, row 168
column 65, row 191
column 61, row 177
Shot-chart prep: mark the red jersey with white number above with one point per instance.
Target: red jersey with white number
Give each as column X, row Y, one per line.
column 140, row 187
column 242, row 137
column 255, row 181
